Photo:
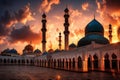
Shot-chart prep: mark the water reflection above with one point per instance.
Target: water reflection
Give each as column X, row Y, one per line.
column 38, row 73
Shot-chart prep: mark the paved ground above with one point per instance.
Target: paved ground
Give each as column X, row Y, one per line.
column 38, row 73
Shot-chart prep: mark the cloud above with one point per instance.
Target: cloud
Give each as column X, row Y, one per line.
column 24, row 14
column 24, row 34
column 4, row 30
column 46, row 5
column 85, row 6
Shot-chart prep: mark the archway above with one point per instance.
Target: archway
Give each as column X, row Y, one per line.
column 5, row 61
column 0, row 60
column 31, row 62
column 63, row 63
column 89, row 62
column 114, row 61
column 106, row 62
column 54, row 63
column 70, row 63
column 49, row 63
column 27, row 61
column 95, row 62
column 18, row 61
column 11, row 61
column 66, row 63
column 73, row 63
column 79, row 63
column 15, row 61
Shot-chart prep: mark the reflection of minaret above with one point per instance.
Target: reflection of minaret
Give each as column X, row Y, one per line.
column 66, row 25
column 110, row 33
column 60, row 41
column 44, row 32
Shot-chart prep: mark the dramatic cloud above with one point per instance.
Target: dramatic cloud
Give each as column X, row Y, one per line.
column 3, row 30
column 85, row 6
column 24, row 14
column 25, row 34
column 47, row 4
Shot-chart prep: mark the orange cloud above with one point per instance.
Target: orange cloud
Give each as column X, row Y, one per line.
column 85, row 6
column 24, row 14
column 47, row 4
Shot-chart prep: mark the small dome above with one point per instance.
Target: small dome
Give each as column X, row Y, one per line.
column 45, row 53
column 37, row 51
column 72, row 45
column 50, row 51
column 13, row 51
column 57, row 50
column 94, row 26
column 28, row 48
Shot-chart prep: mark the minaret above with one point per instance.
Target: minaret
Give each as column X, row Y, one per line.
column 60, row 41
column 43, row 32
column 66, row 32
column 110, row 33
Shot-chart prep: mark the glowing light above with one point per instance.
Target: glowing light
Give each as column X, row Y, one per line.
column 58, row 77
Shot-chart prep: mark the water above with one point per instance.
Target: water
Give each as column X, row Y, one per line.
column 39, row 73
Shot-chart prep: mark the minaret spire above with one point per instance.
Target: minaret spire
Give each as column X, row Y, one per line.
column 110, row 33
column 44, row 32
column 60, row 41
column 66, row 32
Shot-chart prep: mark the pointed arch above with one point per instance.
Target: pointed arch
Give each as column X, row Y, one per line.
column 89, row 62
column 79, row 62
column 66, row 63
column 73, row 63
column 114, row 61
column 106, row 62
column 95, row 62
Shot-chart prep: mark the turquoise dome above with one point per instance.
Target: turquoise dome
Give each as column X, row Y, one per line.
column 94, row 27
column 94, row 31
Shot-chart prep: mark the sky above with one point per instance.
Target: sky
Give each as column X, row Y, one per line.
column 20, row 21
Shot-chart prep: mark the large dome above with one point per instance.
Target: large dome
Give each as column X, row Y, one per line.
column 94, row 27
column 94, row 31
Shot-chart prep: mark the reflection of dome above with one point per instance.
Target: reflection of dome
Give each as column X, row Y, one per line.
column 93, row 32
column 37, row 51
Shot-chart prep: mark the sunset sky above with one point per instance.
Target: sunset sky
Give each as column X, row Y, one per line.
column 20, row 21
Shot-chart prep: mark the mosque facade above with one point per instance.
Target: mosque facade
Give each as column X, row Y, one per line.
column 93, row 52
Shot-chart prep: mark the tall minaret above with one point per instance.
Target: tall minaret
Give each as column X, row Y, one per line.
column 66, row 32
column 110, row 33
column 60, row 41
column 43, row 32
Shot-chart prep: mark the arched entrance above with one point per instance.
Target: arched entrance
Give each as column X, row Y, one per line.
column 73, row 63
column 95, row 62
column 69, row 63
column 79, row 63
column 114, row 61
column 54, row 63
column 89, row 63
column 66, row 64
column 107, row 62
column 5, row 61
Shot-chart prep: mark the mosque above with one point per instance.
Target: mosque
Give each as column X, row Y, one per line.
column 93, row 52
